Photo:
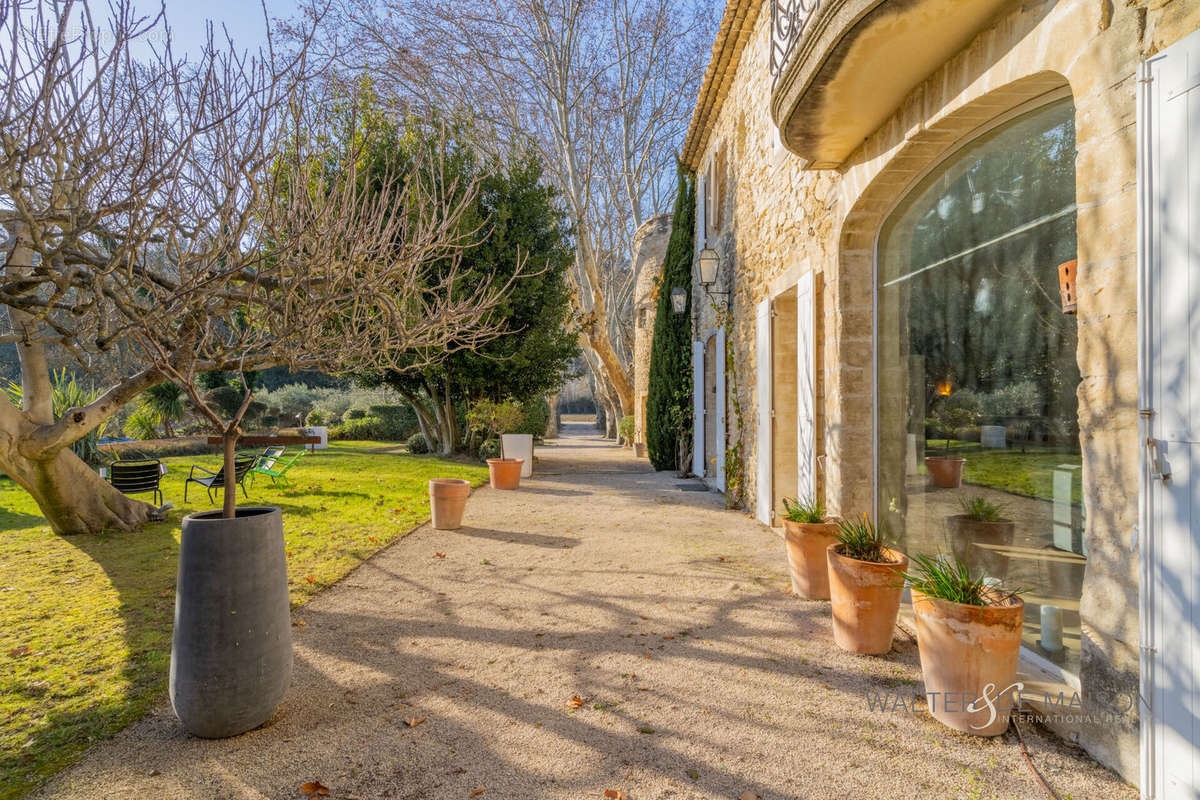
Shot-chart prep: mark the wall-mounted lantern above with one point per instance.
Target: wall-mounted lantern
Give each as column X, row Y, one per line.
column 709, row 262
column 679, row 299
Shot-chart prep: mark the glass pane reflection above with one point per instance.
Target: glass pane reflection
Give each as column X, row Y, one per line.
column 977, row 367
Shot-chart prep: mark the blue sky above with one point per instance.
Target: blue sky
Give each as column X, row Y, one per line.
column 243, row 18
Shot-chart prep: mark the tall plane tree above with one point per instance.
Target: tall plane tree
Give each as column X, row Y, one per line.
column 603, row 88
column 204, row 215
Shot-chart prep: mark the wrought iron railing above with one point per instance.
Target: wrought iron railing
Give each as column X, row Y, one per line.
column 788, row 21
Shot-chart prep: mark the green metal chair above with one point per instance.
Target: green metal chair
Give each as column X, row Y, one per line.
column 272, row 464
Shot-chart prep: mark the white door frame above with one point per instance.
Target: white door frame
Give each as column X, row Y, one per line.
column 764, row 488
column 1160, row 424
column 722, row 438
column 698, row 409
column 806, row 396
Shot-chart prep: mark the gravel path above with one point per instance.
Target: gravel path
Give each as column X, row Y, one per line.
column 668, row 617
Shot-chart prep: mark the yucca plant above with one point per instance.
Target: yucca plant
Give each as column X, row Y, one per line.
column 980, row 509
column 862, row 540
column 804, row 511
column 68, row 393
column 949, row 578
column 164, row 404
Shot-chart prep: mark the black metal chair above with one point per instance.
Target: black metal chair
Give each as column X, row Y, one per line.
column 212, row 481
column 137, row 477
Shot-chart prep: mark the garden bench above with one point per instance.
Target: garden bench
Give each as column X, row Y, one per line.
column 216, row 480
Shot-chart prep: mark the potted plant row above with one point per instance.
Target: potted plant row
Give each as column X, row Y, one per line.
column 808, row 532
column 866, row 579
column 968, row 627
column 969, row 638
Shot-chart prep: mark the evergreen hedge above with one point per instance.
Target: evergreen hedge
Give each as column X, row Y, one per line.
column 669, row 402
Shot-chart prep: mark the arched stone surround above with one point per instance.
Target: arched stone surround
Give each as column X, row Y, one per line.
column 1091, row 49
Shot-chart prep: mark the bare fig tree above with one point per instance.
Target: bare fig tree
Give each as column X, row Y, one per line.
column 604, row 89
column 204, row 215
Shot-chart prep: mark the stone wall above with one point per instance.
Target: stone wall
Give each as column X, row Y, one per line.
column 785, row 221
column 649, row 249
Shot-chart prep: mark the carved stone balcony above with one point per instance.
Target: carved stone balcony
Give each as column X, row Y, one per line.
column 841, row 67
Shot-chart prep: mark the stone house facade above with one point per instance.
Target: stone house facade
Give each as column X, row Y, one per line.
column 649, row 249
column 933, row 222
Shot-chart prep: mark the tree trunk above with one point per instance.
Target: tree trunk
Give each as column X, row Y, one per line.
column 72, row 497
column 229, row 451
column 552, row 425
column 613, row 371
column 425, row 420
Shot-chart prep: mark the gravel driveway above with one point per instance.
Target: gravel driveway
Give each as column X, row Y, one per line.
column 599, row 630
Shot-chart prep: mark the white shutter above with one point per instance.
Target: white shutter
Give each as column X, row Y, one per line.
column 762, row 456
column 1169, row 178
column 701, row 212
column 721, row 435
column 806, row 419
column 698, row 409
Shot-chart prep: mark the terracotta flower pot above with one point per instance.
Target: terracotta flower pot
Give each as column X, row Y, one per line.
column 447, row 499
column 965, row 533
column 969, row 659
column 866, row 600
column 945, row 471
column 505, row 473
column 806, row 543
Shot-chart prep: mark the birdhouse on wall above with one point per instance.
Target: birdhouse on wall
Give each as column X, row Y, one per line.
column 1067, row 285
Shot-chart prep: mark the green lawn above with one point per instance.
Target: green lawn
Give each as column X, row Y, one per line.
column 1029, row 473
column 85, row 621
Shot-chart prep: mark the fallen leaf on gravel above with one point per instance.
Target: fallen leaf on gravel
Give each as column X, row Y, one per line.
column 645, row 729
column 478, row 792
column 413, row 722
column 749, row 796
column 575, row 702
column 722, row 558
column 615, row 795
column 310, row 579
column 668, row 637
column 693, row 774
column 314, row 789
column 439, row 555
column 20, row 652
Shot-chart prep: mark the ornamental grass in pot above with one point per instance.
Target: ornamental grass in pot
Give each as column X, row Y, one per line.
column 808, row 532
column 866, row 579
column 969, row 638
column 980, row 535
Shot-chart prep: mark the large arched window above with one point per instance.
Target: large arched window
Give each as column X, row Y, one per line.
column 977, row 371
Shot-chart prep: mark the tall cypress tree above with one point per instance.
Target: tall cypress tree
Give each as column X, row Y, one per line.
column 669, row 401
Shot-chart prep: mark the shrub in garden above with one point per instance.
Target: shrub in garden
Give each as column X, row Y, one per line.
column 489, row 449
column 537, row 418
column 417, row 445
column 625, row 429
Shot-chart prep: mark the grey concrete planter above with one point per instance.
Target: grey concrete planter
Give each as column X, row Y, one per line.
column 231, row 651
